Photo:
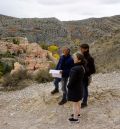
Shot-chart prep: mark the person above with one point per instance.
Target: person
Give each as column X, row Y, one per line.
column 75, row 86
column 90, row 69
column 65, row 64
column 57, row 80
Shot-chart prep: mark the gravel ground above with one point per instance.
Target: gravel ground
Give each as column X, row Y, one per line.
column 35, row 108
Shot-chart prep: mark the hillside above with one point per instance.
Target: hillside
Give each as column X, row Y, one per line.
column 36, row 30
column 52, row 30
column 103, row 35
column 90, row 30
column 107, row 53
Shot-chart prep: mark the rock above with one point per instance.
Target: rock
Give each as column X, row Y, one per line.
column 17, row 68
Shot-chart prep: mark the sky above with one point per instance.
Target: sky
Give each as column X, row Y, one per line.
column 64, row 10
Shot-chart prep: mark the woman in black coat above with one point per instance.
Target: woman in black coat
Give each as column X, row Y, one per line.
column 75, row 86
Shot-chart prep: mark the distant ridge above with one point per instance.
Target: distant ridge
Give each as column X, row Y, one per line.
column 52, row 30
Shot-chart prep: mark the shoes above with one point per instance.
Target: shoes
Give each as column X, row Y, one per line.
column 72, row 120
column 72, row 115
column 54, row 91
column 62, row 102
column 83, row 105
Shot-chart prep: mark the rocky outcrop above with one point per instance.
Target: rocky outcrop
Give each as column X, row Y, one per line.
column 29, row 54
column 17, row 68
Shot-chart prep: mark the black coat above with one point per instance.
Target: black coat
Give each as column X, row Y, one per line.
column 75, row 86
column 90, row 65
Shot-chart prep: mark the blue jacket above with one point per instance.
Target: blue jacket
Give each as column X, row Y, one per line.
column 65, row 64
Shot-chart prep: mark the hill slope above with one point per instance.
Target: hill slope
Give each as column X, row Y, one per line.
column 35, row 29
column 103, row 34
column 51, row 29
column 90, row 30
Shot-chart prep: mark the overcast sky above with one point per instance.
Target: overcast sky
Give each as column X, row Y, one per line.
column 61, row 9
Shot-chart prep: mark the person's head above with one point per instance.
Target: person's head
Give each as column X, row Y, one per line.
column 78, row 58
column 66, row 51
column 84, row 48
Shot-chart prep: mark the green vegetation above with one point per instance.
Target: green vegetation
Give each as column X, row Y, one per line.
column 15, row 81
column 43, row 76
column 16, row 41
column 53, row 48
column 4, row 68
column 44, row 46
column 7, row 55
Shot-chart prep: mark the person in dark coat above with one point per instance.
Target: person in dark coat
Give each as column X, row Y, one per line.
column 65, row 64
column 75, row 85
column 90, row 69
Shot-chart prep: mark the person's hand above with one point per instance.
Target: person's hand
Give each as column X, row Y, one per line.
column 61, row 71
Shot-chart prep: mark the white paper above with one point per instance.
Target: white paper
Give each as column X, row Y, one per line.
column 55, row 73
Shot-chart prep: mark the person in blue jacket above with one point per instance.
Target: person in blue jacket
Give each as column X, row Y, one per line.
column 65, row 64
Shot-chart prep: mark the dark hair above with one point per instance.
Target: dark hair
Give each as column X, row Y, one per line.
column 85, row 46
column 68, row 49
column 81, row 57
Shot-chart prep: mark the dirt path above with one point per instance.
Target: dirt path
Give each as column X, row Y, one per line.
column 34, row 107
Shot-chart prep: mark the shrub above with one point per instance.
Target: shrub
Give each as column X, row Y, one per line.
column 7, row 55
column 44, row 46
column 1, row 74
column 57, row 56
column 43, row 76
column 52, row 65
column 53, row 48
column 4, row 68
column 12, row 82
column 16, row 41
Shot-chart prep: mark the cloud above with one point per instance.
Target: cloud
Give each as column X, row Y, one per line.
column 109, row 1
column 61, row 9
column 56, row 2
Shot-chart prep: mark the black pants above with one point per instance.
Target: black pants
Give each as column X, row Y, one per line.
column 85, row 90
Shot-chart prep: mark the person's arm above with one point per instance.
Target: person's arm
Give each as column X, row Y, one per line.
column 58, row 67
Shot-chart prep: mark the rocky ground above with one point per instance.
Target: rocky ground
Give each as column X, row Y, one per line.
column 35, row 108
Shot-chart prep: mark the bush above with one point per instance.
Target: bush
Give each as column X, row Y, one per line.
column 4, row 68
column 7, row 55
column 57, row 56
column 53, row 48
column 13, row 81
column 16, row 41
column 43, row 76
column 1, row 74
column 52, row 65
column 44, row 46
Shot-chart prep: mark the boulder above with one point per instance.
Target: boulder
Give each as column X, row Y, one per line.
column 17, row 68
